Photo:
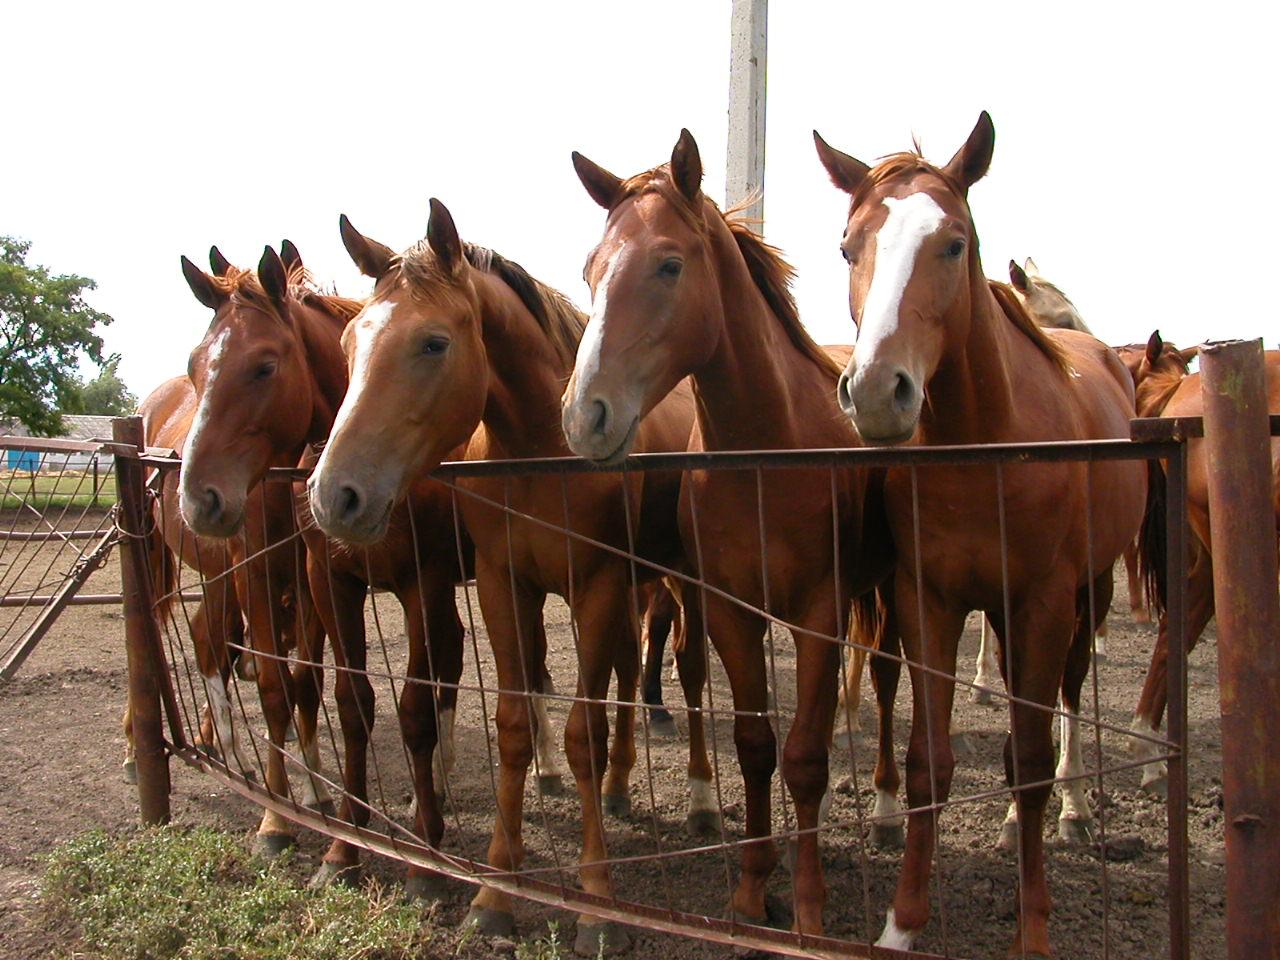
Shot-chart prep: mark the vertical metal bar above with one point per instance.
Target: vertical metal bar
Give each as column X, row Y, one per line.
column 748, row 55
column 1238, row 448
column 1176, row 615
column 139, row 619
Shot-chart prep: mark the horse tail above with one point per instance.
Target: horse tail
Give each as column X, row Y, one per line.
column 1153, row 545
column 867, row 622
column 164, row 573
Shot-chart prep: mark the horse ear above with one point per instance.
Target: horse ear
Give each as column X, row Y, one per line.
column 202, row 285
column 971, row 161
column 442, row 237
column 846, row 172
column 371, row 257
column 604, row 188
column 1189, row 354
column 290, row 255
column 1018, row 277
column 219, row 264
column 1155, row 346
column 686, row 166
column 274, row 278
column 1029, row 265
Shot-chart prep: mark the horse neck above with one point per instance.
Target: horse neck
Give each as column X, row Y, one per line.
column 758, row 390
column 321, row 336
column 1156, row 390
column 969, row 398
column 526, row 376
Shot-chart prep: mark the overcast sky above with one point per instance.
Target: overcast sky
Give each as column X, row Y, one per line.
column 1135, row 143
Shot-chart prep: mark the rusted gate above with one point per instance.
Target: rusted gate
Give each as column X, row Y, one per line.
column 167, row 698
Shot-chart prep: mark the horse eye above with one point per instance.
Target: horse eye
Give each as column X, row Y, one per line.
column 847, row 259
column 955, row 249
column 671, row 267
column 266, row 370
column 435, row 346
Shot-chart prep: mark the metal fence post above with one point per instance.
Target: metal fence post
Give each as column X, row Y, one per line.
column 1237, row 441
column 139, row 624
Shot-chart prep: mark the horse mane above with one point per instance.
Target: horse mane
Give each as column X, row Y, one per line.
column 1021, row 319
column 771, row 273
column 245, row 289
column 556, row 315
column 1157, row 382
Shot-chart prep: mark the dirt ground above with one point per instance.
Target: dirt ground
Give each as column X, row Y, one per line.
column 61, row 747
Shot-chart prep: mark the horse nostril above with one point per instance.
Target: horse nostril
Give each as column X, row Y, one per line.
column 843, row 394
column 601, row 425
column 212, row 503
column 348, row 502
column 904, row 392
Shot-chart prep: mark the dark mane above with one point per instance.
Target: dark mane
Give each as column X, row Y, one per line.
column 244, row 289
column 771, row 273
column 556, row 315
column 1017, row 314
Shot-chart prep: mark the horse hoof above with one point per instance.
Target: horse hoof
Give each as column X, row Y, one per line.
column 1078, row 832
column 601, row 939
column 1008, row 836
column 129, row 770
column 1159, row 787
column 888, row 836
column 491, row 923
column 271, row 846
column 326, row 808
column 290, row 734
column 247, row 668
column 777, row 914
column 551, row 785
column 980, row 696
column 346, row 874
column 427, row 887
column 843, row 738
column 617, row 805
column 209, row 750
column 663, row 727
column 703, row 823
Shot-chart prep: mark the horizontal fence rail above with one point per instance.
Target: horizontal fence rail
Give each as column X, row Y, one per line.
column 256, row 603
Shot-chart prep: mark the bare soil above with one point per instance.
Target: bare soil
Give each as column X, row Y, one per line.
column 61, row 745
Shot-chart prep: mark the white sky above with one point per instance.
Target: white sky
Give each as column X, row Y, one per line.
column 1134, row 157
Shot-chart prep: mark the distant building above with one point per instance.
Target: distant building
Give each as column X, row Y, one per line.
column 85, row 427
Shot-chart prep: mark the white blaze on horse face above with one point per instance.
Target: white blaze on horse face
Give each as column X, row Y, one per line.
column 213, row 366
column 911, row 221
column 368, row 327
column 587, row 365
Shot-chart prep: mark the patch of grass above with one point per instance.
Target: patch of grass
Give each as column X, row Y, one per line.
column 197, row 895
column 55, row 491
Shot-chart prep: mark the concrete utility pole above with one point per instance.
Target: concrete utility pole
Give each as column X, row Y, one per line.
column 747, row 62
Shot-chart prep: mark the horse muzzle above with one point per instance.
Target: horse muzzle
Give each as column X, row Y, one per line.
column 209, row 512
column 348, row 510
column 595, row 431
column 882, row 400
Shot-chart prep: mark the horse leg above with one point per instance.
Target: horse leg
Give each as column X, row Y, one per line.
column 513, row 618
column 850, row 697
column 616, row 795
column 1075, row 823
column 930, row 761
column 217, row 622
column 805, row 758
column 607, row 640
column 546, row 746
column 435, row 647
column 308, row 683
column 988, row 675
column 659, row 617
column 339, row 600
column 1155, row 690
column 1137, row 600
column 691, row 659
column 886, row 830
column 1038, row 646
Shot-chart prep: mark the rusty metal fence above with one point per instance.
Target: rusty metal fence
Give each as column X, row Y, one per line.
column 663, row 880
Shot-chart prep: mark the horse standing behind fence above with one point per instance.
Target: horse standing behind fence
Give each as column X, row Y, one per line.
column 457, row 337
column 944, row 357
column 1167, row 388
column 681, row 290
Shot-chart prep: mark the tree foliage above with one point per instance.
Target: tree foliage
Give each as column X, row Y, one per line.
column 106, row 394
column 45, row 327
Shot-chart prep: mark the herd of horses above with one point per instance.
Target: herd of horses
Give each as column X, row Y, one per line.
column 693, row 343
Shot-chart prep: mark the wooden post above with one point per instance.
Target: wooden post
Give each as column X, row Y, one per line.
column 748, row 57
column 1247, row 605
column 139, row 628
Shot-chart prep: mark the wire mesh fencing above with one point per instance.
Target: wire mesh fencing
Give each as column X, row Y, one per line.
column 370, row 706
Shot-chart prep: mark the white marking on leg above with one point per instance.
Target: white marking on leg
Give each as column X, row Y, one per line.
column 1075, row 797
column 887, row 808
column 314, row 792
column 824, row 807
column 701, row 796
column 443, row 756
column 544, row 741
column 1100, row 641
column 894, row 937
column 911, row 220
column 988, row 660
column 1154, row 769
column 224, row 731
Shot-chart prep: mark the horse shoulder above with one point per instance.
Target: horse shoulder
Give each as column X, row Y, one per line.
column 167, row 412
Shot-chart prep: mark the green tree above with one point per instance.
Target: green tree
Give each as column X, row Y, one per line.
column 45, row 327
column 106, row 394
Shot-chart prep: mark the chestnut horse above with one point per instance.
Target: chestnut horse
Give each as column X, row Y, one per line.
column 457, row 337
column 681, row 290
column 277, row 322
column 1166, row 388
column 944, row 357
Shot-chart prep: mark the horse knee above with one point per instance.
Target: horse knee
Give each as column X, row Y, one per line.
column 805, row 768
column 515, row 736
column 757, row 748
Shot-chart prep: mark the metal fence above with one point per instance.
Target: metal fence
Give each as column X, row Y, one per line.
column 662, row 879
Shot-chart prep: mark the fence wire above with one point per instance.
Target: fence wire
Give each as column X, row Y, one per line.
column 407, row 657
